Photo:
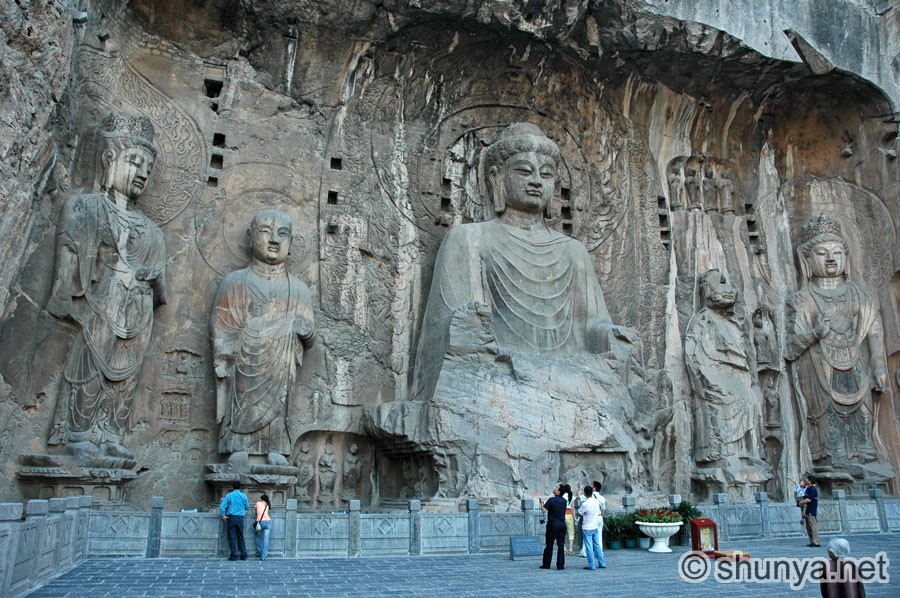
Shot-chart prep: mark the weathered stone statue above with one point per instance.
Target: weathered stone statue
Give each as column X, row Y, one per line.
column 517, row 358
column 351, row 474
column 110, row 274
column 262, row 322
column 727, row 398
column 327, row 474
column 718, row 361
column 306, row 472
column 835, row 342
column 708, row 188
column 537, row 285
column 676, row 185
column 725, row 189
column 692, row 189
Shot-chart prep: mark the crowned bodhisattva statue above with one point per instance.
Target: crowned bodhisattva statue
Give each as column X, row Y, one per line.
column 110, row 275
column 836, row 345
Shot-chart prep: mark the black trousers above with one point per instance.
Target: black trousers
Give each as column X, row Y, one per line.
column 235, row 528
column 556, row 532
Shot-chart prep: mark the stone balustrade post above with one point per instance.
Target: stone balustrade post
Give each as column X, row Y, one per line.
column 840, row 496
column 154, row 535
column 531, row 512
column 765, row 522
column 290, row 528
column 720, row 500
column 474, row 511
column 415, row 527
column 877, row 494
column 56, row 510
column 353, row 541
column 82, row 530
column 36, row 508
column 10, row 516
column 674, row 500
column 628, row 503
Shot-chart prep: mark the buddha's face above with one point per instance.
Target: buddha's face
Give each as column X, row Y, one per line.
column 719, row 292
column 271, row 237
column 129, row 171
column 827, row 259
column 528, row 178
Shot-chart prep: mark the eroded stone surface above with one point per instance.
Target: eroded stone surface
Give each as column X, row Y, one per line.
column 364, row 122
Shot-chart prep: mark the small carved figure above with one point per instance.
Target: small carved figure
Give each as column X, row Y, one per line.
column 725, row 188
column 351, row 474
column 306, row 471
column 835, row 341
column 692, row 187
column 718, row 362
column 708, row 188
column 765, row 340
column 262, row 323
column 676, row 186
column 327, row 474
column 110, row 275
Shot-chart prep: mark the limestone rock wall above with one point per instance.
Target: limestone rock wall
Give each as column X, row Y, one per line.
column 363, row 121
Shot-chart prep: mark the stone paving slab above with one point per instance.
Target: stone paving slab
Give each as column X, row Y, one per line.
column 629, row 573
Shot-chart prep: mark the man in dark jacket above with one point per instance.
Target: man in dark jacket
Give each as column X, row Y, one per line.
column 555, row 508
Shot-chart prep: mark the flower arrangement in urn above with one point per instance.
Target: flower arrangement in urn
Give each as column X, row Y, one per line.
column 657, row 516
column 659, row 524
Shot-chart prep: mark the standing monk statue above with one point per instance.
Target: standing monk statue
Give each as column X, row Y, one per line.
column 110, row 274
column 261, row 324
column 835, row 342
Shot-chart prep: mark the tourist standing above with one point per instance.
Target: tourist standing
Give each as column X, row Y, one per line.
column 812, row 508
column 263, row 526
column 570, row 517
column 590, row 511
column 555, row 508
column 232, row 509
column 839, row 577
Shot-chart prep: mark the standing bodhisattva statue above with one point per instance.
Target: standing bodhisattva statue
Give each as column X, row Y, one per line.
column 262, row 322
column 110, row 274
column 836, row 343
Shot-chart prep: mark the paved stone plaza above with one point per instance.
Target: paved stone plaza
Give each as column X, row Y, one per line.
column 629, row 573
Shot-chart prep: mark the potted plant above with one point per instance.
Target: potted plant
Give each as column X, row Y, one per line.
column 688, row 511
column 613, row 529
column 659, row 524
column 630, row 533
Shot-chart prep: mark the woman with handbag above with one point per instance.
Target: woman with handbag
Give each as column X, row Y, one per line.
column 263, row 526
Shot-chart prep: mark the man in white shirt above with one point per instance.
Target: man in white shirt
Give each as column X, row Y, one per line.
column 591, row 522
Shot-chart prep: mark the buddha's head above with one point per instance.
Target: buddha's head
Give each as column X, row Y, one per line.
column 126, row 154
column 716, row 290
column 822, row 250
column 271, row 233
column 521, row 169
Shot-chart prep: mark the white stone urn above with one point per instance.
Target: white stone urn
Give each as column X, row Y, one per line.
column 660, row 532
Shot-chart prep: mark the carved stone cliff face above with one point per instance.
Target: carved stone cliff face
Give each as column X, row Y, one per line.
column 685, row 148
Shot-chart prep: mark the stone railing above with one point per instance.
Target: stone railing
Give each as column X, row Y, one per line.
column 415, row 532
column 44, row 538
column 40, row 540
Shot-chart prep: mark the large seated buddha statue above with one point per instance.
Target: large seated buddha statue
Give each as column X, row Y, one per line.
column 518, row 361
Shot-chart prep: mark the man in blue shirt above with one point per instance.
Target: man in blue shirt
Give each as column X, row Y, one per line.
column 232, row 509
column 812, row 509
